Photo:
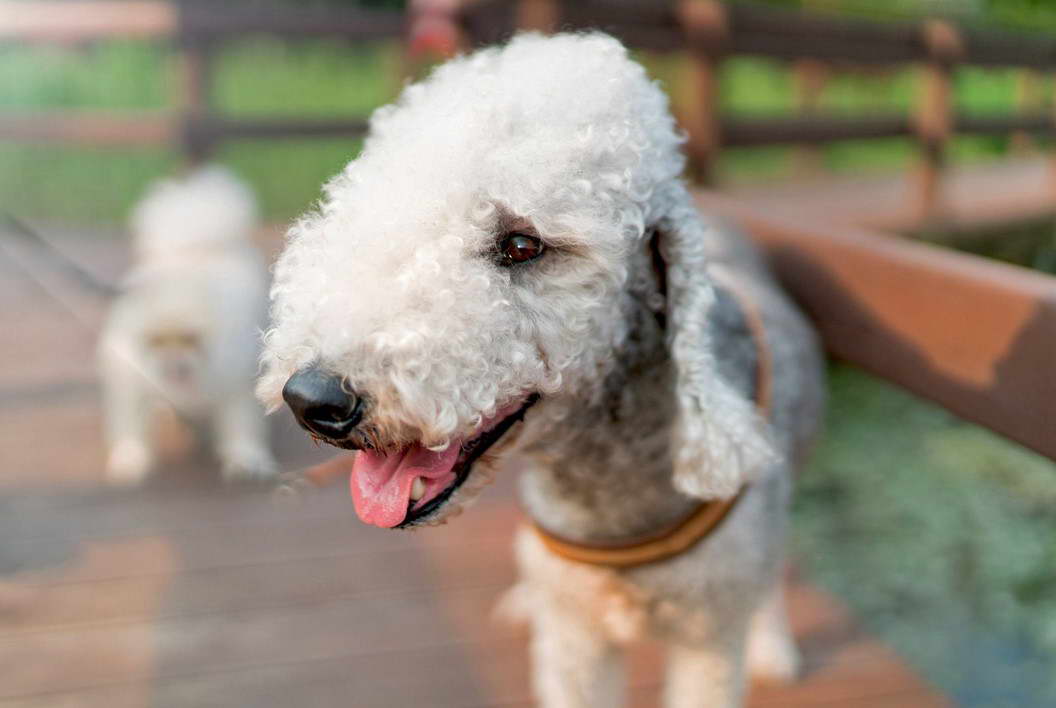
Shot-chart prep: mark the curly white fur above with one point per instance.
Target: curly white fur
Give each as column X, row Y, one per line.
column 184, row 332
column 388, row 282
column 392, row 283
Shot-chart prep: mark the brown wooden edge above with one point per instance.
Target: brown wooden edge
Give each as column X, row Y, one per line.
column 974, row 335
column 162, row 128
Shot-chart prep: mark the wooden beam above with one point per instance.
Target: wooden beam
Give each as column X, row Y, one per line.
column 773, row 32
column 214, row 20
column 51, row 21
column 748, row 131
column 162, row 128
column 97, row 128
column 807, row 130
column 974, row 335
column 85, row 20
column 213, row 129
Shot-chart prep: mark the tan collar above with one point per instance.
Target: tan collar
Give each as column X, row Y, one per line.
column 709, row 515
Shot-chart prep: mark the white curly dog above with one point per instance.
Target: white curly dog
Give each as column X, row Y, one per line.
column 514, row 268
column 184, row 333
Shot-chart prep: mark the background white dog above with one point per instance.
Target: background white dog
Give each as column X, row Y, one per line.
column 184, row 332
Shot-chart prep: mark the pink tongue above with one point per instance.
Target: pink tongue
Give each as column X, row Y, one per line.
column 381, row 484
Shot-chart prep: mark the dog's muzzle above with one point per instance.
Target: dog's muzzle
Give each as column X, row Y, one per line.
column 324, row 405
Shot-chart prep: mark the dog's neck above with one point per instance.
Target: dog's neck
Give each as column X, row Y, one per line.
column 609, row 479
column 604, row 473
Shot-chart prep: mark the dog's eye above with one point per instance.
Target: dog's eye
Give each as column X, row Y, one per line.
column 519, row 248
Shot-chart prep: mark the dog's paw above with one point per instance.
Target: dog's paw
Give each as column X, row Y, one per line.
column 249, row 463
column 773, row 657
column 129, row 463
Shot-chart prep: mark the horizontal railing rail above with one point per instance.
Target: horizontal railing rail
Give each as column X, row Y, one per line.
column 970, row 333
column 90, row 20
column 752, row 132
column 154, row 127
column 766, row 31
column 709, row 29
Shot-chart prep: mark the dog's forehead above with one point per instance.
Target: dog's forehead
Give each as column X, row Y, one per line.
column 534, row 112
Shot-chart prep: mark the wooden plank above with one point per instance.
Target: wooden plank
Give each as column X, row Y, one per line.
column 969, row 333
column 154, row 128
column 97, row 128
column 97, row 587
column 753, row 131
column 480, row 664
column 1003, row 124
column 208, row 130
column 56, row 21
column 744, row 131
column 429, row 676
column 974, row 197
column 772, row 32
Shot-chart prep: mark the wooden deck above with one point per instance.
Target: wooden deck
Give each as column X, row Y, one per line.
column 974, row 197
column 186, row 593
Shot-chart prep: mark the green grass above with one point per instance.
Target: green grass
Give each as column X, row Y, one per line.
column 76, row 186
column 113, row 75
column 286, row 192
column 319, row 79
column 940, row 535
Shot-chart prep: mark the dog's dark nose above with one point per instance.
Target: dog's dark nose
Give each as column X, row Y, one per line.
column 321, row 404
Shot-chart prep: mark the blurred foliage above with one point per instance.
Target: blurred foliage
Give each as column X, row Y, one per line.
column 942, row 537
column 115, row 75
column 1029, row 245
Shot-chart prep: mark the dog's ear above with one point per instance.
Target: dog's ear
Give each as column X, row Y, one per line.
column 719, row 439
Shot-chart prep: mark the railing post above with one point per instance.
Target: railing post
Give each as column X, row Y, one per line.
column 809, row 77
column 191, row 64
column 1052, row 149
column 432, row 32
column 935, row 114
column 706, row 25
column 538, row 15
column 1028, row 101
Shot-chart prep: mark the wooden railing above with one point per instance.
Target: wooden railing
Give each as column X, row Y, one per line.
column 711, row 31
column 708, row 30
column 196, row 29
column 977, row 336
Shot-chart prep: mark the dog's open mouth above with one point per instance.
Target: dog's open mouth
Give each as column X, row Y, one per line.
column 401, row 488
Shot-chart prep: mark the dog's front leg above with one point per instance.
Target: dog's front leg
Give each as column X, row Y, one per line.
column 706, row 675
column 574, row 665
column 127, row 408
column 241, row 438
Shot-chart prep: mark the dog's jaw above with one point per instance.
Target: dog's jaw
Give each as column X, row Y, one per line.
column 414, row 486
